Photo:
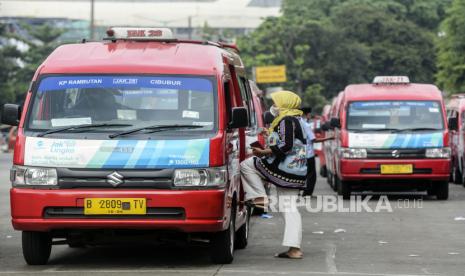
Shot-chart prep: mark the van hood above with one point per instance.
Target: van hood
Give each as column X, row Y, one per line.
column 116, row 154
column 396, row 140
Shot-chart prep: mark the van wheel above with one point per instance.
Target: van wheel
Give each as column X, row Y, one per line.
column 37, row 247
column 222, row 244
column 323, row 171
column 76, row 245
column 441, row 190
column 456, row 175
column 328, row 178
column 343, row 188
column 242, row 235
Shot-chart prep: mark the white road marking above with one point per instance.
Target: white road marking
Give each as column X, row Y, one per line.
column 331, row 257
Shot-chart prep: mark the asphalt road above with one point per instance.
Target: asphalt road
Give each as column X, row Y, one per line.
column 420, row 237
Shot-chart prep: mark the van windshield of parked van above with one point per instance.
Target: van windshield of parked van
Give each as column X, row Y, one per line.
column 395, row 116
column 123, row 101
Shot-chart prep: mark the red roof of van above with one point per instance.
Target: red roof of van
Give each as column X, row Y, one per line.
column 412, row 91
column 129, row 57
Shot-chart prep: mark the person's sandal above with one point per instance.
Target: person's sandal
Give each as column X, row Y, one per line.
column 285, row 255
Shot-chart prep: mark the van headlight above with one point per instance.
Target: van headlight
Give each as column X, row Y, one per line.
column 33, row 176
column 352, row 153
column 438, row 153
column 210, row 177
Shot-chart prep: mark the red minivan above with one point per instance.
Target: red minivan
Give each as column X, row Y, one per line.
column 141, row 133
column 456, row 117
column 330, row 146
column 391, row 135
column 324, row 123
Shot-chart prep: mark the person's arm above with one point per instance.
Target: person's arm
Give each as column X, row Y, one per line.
column 321, row 140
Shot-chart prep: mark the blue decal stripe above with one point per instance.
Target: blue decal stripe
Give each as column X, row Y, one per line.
column 140, row 146
column 157, row 153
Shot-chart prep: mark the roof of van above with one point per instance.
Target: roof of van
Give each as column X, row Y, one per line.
column 412, row 91
column 129, row 57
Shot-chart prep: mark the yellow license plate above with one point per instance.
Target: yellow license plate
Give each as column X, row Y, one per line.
column 397, row 169
column 115, row 206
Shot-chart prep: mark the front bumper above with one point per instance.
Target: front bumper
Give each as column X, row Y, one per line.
column 369, row 169
column 203, row 210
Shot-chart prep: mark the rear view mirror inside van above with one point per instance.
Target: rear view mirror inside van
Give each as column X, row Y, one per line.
column 240, row 118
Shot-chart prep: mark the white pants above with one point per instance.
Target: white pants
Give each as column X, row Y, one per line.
column 254, row 187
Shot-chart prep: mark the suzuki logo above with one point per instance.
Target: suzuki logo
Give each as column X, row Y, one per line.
column 395, row 154
column 115, row 179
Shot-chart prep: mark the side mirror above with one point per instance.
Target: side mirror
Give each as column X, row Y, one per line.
column 11, row 114
column 335, row 123
column 240, row 117
column 325, row 126
column 453, row 124
column 267, row 118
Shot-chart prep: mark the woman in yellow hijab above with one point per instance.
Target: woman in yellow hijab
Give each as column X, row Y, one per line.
column 286, row 103
column 283, row 164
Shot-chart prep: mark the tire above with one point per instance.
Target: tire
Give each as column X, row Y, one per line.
column 37, row 247
column 456, row 175
column 242, row 234
column 343, row 188
column 441, row 189
column 328, row 178
column 222, row 244
column 76, row 245
column 323, row 171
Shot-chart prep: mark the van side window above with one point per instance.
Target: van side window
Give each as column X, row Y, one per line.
column 246, row 97
column 252, row 113
column 227, row 98
column 463, row 121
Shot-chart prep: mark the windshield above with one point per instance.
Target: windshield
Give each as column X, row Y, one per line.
column 394, row 115
column 135, row 101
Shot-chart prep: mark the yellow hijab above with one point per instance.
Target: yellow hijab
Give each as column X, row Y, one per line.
column 288, row 104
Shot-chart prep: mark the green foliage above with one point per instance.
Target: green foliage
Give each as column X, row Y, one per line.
column 451, row 50
column 17, row 68
column 327, row 44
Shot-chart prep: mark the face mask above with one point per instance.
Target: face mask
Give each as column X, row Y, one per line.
column 274, row 111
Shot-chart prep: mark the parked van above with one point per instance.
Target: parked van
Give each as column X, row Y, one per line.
column 142, row 133
column 331, row 146
column 456, row 115
column 324, row 122
column 393, row 135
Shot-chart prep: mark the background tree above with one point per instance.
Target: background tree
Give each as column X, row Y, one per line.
column 328, row 44
column 451, row 50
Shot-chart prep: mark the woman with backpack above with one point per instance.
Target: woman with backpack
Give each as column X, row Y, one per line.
column 283, row 164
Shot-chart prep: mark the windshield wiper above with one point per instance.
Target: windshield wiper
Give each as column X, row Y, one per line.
column 50, row 131
column 419, row 129
column 152, row 129
column 374, row 129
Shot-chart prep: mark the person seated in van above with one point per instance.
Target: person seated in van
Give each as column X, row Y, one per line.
column 99, row 104
column 283, row 164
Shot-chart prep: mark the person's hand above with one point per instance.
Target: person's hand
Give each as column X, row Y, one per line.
column 260, row 152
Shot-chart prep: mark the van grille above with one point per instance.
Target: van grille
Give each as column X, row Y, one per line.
column 78, row 212
column 396, row 153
